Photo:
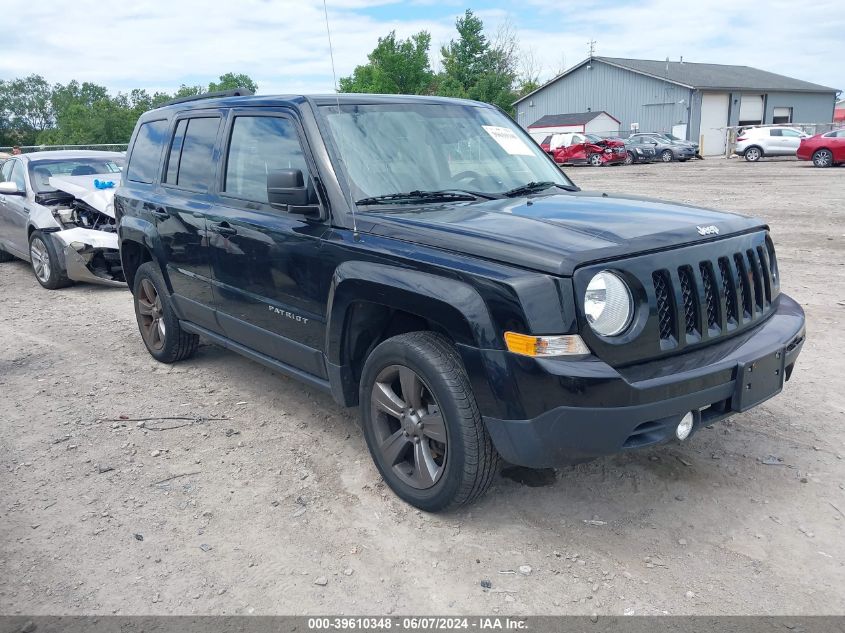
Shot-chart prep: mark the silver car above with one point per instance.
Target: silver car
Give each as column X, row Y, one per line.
column 56, row 213
column 756, row 142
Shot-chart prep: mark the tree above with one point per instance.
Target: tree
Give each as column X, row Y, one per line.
column 475, row 68
column 231, row 81
column 25, row 109
column 395, row 66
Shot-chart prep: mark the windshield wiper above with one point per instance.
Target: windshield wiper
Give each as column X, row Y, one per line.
column 533, row 187
column 423, row 196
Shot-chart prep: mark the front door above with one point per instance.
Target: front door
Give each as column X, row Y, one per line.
column 14, row 210
column 269, row 271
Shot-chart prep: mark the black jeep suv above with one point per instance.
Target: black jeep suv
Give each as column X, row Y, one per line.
column 423, row 258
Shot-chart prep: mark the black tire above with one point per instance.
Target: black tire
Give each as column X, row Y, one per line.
column 629, row 158
column 45, row 262
column 163, row 337
column 823, row 158
column 469, row 460
column 667, row 156
column 753, row 154
column 5, row 257
column 594, row 160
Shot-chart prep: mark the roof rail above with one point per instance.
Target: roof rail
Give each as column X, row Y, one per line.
column 235, row 92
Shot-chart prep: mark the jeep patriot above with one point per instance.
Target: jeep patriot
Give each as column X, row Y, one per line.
column 423, row 259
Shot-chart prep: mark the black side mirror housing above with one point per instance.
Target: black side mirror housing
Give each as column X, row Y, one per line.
column 287, row 188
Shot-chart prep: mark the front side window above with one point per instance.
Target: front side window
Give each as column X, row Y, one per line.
column 395, row 148
column 6, row 171
column 259, row 145
column 17, row 176
column 146, row 153
column 791, row 133
column 190, row 163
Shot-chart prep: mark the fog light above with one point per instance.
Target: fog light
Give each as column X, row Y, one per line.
column 685, row 427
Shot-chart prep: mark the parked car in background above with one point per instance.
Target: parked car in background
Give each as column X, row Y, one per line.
column 756, row 142
column 575, row 148
column 53, row 215
column 545, row 144
column 681, row 141
column 665, row 149
column 640, row 151
column 825, row 150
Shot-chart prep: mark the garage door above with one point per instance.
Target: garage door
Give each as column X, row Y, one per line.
column 751, row 110
column 714, row 118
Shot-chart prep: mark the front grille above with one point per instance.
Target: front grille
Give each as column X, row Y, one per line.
column 718, row 295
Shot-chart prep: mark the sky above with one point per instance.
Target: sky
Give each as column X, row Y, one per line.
column 283, row 45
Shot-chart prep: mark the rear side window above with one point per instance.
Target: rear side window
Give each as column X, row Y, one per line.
column 144, row 161
column 190, row 164
column 259, row 145
column 775, row 132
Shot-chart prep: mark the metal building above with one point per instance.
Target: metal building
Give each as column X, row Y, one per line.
column 692, row 101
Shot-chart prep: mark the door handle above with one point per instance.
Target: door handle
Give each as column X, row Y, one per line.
column 160, row 213
column 223, row 228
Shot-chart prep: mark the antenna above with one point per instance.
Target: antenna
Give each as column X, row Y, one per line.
column 337, row 98
column 592, row 45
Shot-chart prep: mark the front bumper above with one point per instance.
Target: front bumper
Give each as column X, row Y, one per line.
column 85, row 253
column 600, row 410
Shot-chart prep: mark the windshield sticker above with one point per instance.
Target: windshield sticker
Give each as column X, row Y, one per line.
column 508, row 140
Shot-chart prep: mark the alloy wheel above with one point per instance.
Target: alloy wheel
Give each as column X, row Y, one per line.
column 408, row 426
column 752, row 154
column 629, row 158
column 151, row 315
column 595, row 160
column 40, row 259
column 666, row 156
column 822, row 158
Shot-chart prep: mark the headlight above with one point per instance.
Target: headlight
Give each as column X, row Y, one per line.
column 607, row 150
column 608, row 305
column 639, row 151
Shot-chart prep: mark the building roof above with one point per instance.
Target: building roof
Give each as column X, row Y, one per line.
column 702, row 76
column 573, row 118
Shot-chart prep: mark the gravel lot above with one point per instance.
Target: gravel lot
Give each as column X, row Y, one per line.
column 278, row 509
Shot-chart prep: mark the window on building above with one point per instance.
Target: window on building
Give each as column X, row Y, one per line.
column 192, row 153
column 259, row 145
column 144, row 161
column 782, row 115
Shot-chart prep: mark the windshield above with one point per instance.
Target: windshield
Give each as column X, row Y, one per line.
column 407, row 147
column 40, row 171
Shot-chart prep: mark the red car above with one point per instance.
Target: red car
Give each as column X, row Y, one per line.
column 575, row 148
column 825, row 150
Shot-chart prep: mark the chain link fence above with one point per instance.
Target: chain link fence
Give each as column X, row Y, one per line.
column 106, row 147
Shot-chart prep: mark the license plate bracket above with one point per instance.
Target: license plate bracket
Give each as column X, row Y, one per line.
column 758, row 380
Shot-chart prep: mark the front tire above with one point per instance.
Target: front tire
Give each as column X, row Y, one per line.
column 44, row 258
column 163, row 337
column 823, row 158
column 422, row 424
column 5, row 257
column 753, row 154
column 595, row 160
column 667, row 156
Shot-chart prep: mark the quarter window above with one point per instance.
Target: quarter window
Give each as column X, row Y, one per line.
column 190, row 164
column 146, row 153
column 259, row 145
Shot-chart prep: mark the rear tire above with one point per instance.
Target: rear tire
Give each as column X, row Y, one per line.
column 823, row 158
column 44, row 259
column 163, row 337
column 414, row 392
column 753, row 154
column 629, row 158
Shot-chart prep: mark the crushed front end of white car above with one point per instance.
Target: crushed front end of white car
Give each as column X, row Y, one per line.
column 80, row 217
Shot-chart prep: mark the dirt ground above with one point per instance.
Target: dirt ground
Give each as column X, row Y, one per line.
column 283, row 493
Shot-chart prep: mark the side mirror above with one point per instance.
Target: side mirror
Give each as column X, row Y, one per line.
column 10, row 189
column 286, row 188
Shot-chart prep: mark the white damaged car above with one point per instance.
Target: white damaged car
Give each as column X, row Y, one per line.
column 56, row 212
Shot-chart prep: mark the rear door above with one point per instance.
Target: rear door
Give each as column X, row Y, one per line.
column 270, row 273
column 181, row 208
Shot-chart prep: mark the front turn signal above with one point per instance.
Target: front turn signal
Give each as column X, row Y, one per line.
column 545, row 346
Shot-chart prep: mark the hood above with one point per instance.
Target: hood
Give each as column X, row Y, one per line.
column 556, row 233
column 85, row 189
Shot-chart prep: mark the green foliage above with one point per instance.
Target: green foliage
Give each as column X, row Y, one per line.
column 474, row 67
column 32, row 112
column 395, row 66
